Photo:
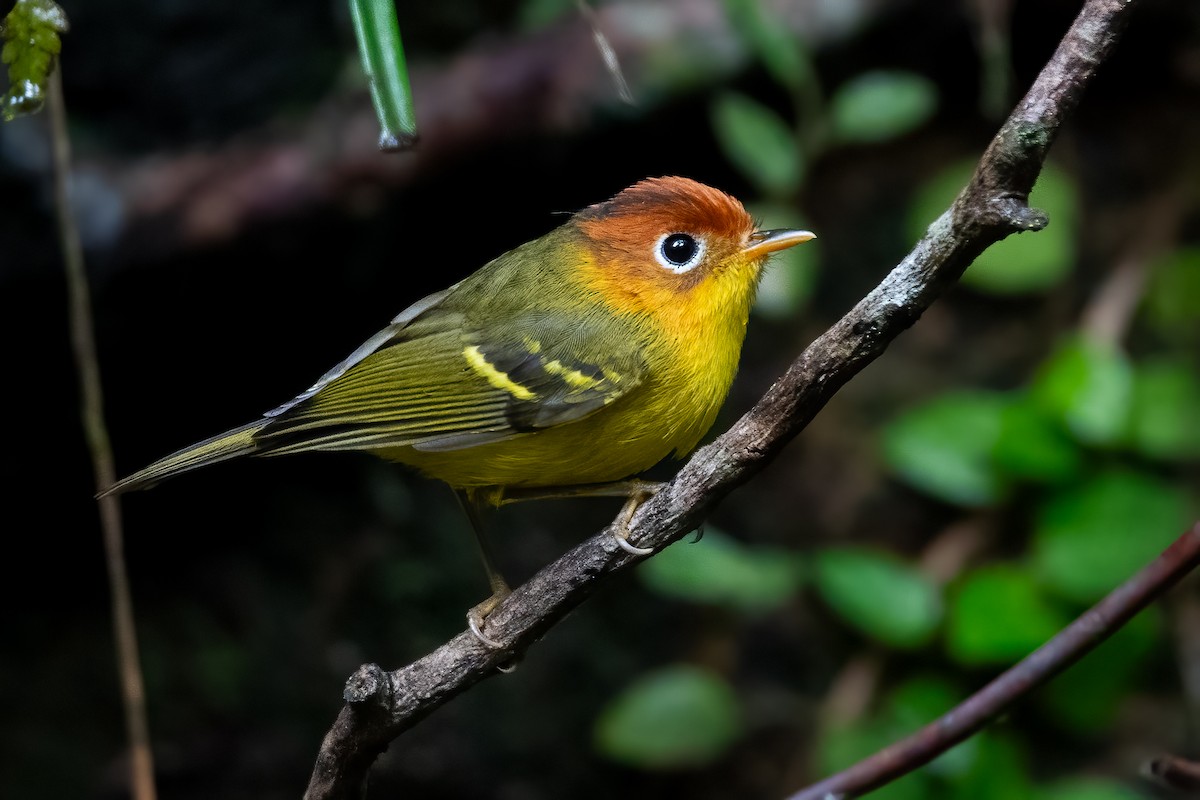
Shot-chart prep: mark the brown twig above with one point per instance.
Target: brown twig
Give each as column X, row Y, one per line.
column 1174, row 772
column 1070, row 645
column 381, row 705
column 133, row 694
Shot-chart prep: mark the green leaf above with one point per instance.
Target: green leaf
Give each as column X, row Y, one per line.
column 1021, row 263
column 945, row 447
column 1087, row 789
column 758, row 143
column 1089, row 538
column 1164, row 422
column 998, row 771
column 31, row 45
column 784, row 56
column 679, row 716
column 910, row 706
column 998, row 614
column 1087, row 386
column 1088, row 696
column 987, row 766
column 791, row 275
column 881, row 596
column 841, row 747
column 1173, row 295
column 881, row 105
column 1033, row 446
column 720, row 570
column 919, row 700
column 535, row 14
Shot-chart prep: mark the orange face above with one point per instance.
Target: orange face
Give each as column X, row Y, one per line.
column 660, row 240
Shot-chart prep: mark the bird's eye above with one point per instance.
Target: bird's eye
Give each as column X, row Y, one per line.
column 679, row 252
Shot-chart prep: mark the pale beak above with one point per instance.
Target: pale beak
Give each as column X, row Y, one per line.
column 763, row 243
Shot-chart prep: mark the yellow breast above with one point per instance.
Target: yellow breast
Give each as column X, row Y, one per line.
column 691, row 346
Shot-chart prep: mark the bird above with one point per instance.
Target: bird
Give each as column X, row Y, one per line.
column 565, row 366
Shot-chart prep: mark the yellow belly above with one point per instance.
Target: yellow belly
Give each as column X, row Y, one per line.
column 618, row 441
column 692, row 350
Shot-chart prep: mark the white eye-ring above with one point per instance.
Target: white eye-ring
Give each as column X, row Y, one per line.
column 679, row 252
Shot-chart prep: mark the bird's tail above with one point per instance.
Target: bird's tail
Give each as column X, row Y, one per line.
column 231, row 444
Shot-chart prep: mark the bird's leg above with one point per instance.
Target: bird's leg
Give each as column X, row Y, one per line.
column 637, row 491
column 472, row 504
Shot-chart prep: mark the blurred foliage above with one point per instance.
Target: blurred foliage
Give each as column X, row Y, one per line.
column 989, row 765
column 1087, row 698
column 902, row 608
column 1086, row 789
column 783, row 54
column 724, row 572
column 1090, row 536
column 946, row 447
column 1171, row 296
column 534, row 14
column 760, row 143
column 995, row 593
column 878, row 106
column 31, row 45
column 1023, row 262
column 1165, row 407
column 678, row 716
column 1085, row 387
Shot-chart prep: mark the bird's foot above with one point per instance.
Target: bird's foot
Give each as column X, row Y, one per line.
column 478, row 615
column 643, row 492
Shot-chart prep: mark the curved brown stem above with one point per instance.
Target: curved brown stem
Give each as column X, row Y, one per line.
column 1071, row 644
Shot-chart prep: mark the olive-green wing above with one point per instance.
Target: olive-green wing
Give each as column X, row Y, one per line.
column 437, row 382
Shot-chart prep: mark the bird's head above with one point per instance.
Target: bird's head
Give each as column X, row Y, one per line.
column 676, row 243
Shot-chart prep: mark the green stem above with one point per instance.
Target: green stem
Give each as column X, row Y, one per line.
column 378, row 35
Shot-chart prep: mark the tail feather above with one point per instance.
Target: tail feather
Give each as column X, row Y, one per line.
column 231, row 444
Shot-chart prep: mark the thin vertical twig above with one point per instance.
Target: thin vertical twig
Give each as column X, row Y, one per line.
column 611, row 62
column 133, row 693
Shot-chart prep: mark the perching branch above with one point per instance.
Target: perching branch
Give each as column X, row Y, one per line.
column 381, row 705
column 1071, row 644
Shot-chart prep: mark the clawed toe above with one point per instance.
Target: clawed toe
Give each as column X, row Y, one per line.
column 477, row 616
column 475, row 623
column 628, row 547
column 621, row 526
